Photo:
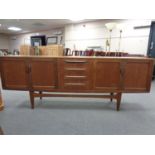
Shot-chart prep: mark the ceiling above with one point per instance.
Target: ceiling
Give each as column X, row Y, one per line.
column 33, row 25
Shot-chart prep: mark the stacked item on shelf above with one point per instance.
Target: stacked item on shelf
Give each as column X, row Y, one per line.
column 83, row 53
column 26, row 50
column 100, row 53
column 50, row 50
column 68, row 52
column 116, row 54
column 42, row 50
column 4, row 52
column 54, row 50
column 136, row 55
column 15, row 52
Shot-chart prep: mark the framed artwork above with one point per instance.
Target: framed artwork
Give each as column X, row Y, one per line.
column 52, row 40
column 27, row 41
column 38, row 40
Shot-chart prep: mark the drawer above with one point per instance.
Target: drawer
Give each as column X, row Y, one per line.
column 76, row 83
column 75, row 80
column 76, row 63
column 75, row 74
column 75, row 71
column 76, row 86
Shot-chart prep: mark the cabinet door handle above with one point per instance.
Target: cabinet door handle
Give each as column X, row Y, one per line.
column 75, row 61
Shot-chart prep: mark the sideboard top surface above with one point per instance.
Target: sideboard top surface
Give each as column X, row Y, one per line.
column 74, row 57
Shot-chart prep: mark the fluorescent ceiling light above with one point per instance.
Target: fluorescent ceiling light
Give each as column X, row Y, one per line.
column 0, row 24
column 15, row 28
column 37, row 34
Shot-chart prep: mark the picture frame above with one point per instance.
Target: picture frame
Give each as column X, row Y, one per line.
column 38, row 40
column 52, row 40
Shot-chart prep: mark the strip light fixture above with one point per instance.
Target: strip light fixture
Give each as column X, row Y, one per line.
column 14, row 29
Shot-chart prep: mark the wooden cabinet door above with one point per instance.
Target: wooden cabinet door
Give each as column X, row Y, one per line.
column 106, row 75
column 137, row 76
column 43, row 74
column 14, row 75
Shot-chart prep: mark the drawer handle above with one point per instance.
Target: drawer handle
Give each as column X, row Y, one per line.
column 75, row 84
column 75, row 69
column 75, row 61
column 75, row 76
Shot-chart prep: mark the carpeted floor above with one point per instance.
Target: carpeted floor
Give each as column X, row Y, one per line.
column 61, row 116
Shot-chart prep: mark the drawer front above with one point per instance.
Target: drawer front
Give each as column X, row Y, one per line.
column 75, row 74
column 76, row 63
column 79, row 86
column 75, row 71
column 76, row 80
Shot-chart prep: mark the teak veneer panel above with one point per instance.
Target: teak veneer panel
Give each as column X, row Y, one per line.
column 136, row 76
column 14, row 74
column 43, row 74
column 106, row 75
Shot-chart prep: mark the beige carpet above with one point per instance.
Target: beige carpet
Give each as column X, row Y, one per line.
column 78, row 116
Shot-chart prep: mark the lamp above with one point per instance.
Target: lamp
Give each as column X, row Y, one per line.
column 110, row 27
column 120, row 27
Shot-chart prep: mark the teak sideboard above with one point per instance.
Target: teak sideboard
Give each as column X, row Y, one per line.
column 71, row 76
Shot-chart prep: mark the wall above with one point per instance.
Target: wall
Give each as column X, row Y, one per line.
column 24, row 39
column 4, row 41
column 95, row 34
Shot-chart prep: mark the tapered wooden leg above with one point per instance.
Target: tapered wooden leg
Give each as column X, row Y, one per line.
column 119, row 96
column 40, row 92
column 111, row 99
column 31, row 99
column 1, row 131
